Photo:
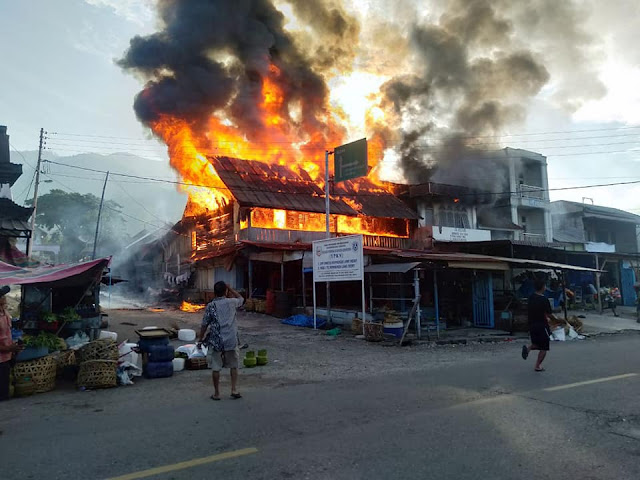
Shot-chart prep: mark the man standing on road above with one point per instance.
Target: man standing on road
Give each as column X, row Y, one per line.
column 221, row 339
column 539, row 314
column 7, row 348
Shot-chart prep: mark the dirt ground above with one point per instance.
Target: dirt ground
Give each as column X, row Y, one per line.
column 302, row 355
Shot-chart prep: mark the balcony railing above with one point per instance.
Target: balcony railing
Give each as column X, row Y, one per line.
column 530, row 191
column 269, row 235
column 534, row 237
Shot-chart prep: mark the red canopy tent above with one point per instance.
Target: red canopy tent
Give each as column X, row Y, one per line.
column 67, row 273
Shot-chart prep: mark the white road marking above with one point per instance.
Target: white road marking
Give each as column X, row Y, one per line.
column 589, row 382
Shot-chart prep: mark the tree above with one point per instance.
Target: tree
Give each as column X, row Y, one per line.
column 74, row 216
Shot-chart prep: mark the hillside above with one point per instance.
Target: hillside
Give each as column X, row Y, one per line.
column 146, row 201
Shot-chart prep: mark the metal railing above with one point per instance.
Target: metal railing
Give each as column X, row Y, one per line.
column 531, row 191
column 534, row 237
column 291, row 236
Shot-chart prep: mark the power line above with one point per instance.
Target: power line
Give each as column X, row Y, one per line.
column 168, row 229
column 23, row 158
column 215, row 187
column 509, row 135
column 146, row 146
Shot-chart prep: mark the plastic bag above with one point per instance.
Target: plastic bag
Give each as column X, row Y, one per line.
column 558, row 334
column 193, row 351
column 126, row 372
column 78, row 340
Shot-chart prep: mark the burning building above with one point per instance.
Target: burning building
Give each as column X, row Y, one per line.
column 271, row 214
column 252, row 80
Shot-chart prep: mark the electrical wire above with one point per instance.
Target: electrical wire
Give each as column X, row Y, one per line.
column 548, row 132
column 215, row 187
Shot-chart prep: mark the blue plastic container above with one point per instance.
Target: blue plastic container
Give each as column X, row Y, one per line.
column 160, row 353
column 145, row 343
column 31, row 353
column 395, row 329
column 158, row 369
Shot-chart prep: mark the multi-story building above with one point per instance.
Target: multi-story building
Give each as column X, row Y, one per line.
column 526, row 203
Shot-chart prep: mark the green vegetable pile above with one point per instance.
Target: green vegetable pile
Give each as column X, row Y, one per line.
column 43, row 339
column 48, row 317
column 69, row 315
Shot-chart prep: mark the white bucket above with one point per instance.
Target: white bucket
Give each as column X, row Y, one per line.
column 108, row 335
column 186, row 335
column 178, row 364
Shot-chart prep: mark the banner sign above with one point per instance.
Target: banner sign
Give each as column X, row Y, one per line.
column 338, row 259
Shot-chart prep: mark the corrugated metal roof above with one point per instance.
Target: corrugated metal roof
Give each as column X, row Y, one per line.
column 257, row 184
column 451, row 258
column 390, row 267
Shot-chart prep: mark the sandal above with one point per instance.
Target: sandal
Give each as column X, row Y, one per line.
column 539, row 369
column 217, row 399
column 525, row 352
column 236, row 396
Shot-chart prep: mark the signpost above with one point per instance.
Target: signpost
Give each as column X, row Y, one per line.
column 338, row 259
column 350, row 160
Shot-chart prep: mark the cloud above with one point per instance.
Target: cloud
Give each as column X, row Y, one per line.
column 140, row 12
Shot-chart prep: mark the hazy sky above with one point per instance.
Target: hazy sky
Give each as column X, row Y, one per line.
column 58, row 72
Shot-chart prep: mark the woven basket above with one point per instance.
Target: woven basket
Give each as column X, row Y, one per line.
column 249, row 305
column 356, row 326
column 97, row 374
column 260, row 306
column 42, row 373
column 373, row 332
column 199, row 363
column 64, row 359
column 105, row 349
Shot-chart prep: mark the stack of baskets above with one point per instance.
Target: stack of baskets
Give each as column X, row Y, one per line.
column 35, row 376
column 98, row 362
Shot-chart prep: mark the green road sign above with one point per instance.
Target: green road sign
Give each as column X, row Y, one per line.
column 350, row 160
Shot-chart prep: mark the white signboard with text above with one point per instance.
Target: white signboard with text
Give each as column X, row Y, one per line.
column 450, row 234
column 338, row 259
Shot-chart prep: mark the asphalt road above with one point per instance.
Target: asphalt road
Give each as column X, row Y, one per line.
column 493, row 418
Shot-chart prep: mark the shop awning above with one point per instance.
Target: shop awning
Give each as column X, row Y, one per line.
column 485, row 262
column 70, row 273
column 391, row 267
column 480, row 265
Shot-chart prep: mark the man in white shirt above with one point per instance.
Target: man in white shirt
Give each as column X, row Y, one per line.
column 219, row 332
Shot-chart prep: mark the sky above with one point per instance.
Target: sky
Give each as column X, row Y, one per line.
column 58, row 72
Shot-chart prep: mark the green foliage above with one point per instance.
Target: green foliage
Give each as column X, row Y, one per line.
column 48, row 317
column 43, row 339
column 69, row 315
column 73, row 216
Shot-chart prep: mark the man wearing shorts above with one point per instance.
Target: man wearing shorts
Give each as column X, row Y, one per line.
column 219, row 332
column 539, row 314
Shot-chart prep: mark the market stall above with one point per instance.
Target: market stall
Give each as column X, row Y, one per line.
column 59, row 309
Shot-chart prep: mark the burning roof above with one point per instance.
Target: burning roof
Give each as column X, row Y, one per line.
column 256, row 184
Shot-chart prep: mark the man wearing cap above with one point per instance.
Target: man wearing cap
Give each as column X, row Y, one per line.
column 7, row 348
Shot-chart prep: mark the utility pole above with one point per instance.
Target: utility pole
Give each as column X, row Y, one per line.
column 35, row 194
column 327, row 224
column 95, row 239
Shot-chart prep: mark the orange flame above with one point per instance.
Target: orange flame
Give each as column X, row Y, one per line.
column 191, row 307
column 316, row 222
column 281, row 136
